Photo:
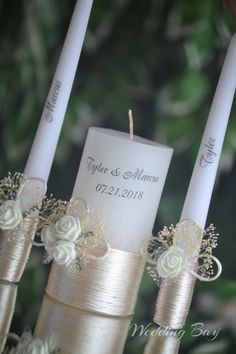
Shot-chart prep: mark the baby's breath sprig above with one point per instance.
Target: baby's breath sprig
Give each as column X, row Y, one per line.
column 209, row 240
column 9, row 186
column 51, row 210
column 208, row 244
column 166, row 235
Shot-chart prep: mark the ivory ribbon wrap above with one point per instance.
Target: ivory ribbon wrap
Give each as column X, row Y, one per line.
column 90, row 311
column 174, row 300
column 162, row 345
column 14, row 253
column 7, row 305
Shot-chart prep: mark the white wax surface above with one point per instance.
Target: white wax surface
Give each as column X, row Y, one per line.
column 42, row 152
column 202, row 182
column 122, row 180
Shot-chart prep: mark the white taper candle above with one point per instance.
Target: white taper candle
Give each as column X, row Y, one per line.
column 203, row 178
column 43, row 149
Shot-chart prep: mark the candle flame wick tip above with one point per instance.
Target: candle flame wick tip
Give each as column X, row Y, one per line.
column 131, row 123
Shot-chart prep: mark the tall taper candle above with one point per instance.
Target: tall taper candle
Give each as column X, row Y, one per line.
column 45, row 142
column 44, row 146
column 170, row 311
column 203, row 178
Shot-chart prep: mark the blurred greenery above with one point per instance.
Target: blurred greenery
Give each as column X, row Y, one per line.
column 162, row 58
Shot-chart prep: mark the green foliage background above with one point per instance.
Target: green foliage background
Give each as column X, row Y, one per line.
column 162, row 58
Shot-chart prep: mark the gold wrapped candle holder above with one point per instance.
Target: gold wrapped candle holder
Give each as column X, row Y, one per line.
column 90, row 311
column 14, row 255
column 174, row 300
column 162, row 344
column 8, row 292
column 20, row 201
column 177, row 257
column 14, row 252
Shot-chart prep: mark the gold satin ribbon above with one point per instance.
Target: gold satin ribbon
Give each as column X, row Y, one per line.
column 108, row 286
column 174, row 300
column 8, row 294
column 90, row 311
column 14, row 253
column 175, row 295
column 162, row 345
column 81, row 332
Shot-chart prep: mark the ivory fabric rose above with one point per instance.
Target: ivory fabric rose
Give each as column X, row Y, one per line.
column 28, row 345
column 10, row 215
column 38, row 347
column 63, row 252
column 48, row 236
column 171, row 262
column 67, row 228
column 59, row 239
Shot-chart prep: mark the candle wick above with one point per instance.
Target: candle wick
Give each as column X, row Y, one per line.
column 131, row 124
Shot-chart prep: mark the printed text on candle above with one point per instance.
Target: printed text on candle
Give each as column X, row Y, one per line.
column 51, row 101
column 137, row 174
column 118, row 192
column 209, row 154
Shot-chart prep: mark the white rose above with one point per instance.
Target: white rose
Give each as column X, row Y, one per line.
column 67, row 228
column 10, row 215
column 38, row 347
column 63, row 252
column 171, row 262
column 48, row 236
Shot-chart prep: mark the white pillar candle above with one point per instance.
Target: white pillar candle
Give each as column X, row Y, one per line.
column 203, row 178
column 122, row 180
column 42, row 152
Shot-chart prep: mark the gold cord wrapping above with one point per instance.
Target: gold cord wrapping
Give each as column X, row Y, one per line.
column 90, row 311
column 8, row 294
column 174, row 300
column 107, row 286
column 81, row 332
column 14, row 253
column 175, row 294
column 162, row 345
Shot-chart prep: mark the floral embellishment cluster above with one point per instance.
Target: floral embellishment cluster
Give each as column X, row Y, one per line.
column 183, row 247
column 29, row 345
column 11, row 215
column 72, row 240
column 60, row 239
column 71, row 233
column 22, row 197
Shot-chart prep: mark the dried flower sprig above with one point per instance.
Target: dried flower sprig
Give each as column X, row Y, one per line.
column 51, row 210
column 9, row 186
